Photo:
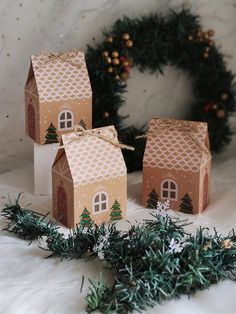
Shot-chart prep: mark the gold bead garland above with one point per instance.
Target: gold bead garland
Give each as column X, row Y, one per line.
column 126, row 36
column 129, row 43
column 115, row 61
column 118, row 62
column 105, row 53
column 108, row 60
column 220, row 113
column 109, row 39
column 224, row 96
column 203, row 37
column 110, row 70
column 115, row 54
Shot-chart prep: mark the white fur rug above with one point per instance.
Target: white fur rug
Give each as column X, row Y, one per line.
column 29, row 283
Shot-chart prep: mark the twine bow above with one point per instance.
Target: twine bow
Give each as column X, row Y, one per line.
column 81, row 131
column 63, row 56
column 187, row 127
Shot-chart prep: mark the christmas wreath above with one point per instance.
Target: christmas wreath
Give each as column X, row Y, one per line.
column 150, row 43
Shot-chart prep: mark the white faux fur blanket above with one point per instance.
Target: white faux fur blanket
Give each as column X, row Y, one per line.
column 30, row 284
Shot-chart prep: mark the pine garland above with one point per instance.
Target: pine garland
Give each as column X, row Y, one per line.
column 152, row 262
column 176, row 39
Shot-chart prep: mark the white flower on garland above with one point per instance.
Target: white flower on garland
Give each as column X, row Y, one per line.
column 164, row 208
column 176, row 246
column 101, row 245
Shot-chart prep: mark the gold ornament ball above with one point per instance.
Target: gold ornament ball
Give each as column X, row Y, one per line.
column 115, row 61
column 211, row 43
column 206, row 36
column 190, row 37
column 214, row 107
column 129, row 43
column 124, row 76
column 110, row 69
column 117, row 77
column 109, row 39
column 105, row 53
column 211, row 32
column 207, row 49
column 125, row 63
column 115, row 54
column 206, row 55
column 199, row 33
column 224, row 96
column 220, row 114
column 108, row 60
column 106, row 115
column 126, row 36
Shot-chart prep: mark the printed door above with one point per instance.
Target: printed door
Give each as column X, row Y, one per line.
column 205, row 191
column 62, row 205
column 31, row 121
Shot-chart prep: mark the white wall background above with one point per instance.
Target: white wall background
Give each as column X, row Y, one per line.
column 27, row 26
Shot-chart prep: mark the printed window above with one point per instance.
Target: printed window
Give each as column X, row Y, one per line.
column 100, row 202
column 169, row 190
column 65, row 120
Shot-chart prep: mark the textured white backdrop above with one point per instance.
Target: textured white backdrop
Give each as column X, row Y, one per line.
column 29, row 283
column 27, row 26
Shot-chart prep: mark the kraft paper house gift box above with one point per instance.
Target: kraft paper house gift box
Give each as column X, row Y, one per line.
column 177, row 165
column 57, row 95
column 89, row 178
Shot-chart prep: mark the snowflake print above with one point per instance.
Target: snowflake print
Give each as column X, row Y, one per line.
column 164, row 208
column 176, row 246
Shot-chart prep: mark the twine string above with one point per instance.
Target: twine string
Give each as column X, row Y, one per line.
column 187, row 127
column 80, row 132
column 63, row 56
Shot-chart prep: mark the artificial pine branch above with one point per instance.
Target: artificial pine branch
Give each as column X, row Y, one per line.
column 152, row 262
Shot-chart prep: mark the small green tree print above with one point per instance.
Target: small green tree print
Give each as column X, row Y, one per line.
column 152, row 199
column 83, row 124
column 51, row 135
column 186, row 204
column 85, row 219
column 116, row 212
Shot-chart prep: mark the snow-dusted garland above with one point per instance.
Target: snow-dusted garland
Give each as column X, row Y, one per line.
column 150, row 43
column 151, row 262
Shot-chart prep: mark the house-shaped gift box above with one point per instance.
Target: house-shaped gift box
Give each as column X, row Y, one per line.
column 57, row 95
column 89, row 178
column 177, row 164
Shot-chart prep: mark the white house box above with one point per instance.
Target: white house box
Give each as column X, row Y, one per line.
column 58, row 95
column 89, row 178
column 177, row 165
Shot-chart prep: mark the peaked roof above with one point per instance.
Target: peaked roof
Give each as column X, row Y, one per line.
column 177, row 144
column 92, row 159
column 60, row 79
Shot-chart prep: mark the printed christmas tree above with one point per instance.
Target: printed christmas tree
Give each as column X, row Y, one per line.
column 51, row 135
column 152, row 200
column 116, row 212
column 83, row 124
column 85, row 219
column 186, row 204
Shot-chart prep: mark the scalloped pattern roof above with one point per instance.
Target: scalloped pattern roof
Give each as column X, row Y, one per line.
column 59, row 79
column 92, row 159
column 174, row 147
